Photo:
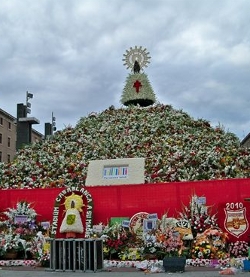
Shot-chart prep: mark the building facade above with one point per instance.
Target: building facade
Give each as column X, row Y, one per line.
column 8, row 136
column 246, row 141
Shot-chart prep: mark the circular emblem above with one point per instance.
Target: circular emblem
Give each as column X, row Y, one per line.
column 136, row 54
column 136, row 221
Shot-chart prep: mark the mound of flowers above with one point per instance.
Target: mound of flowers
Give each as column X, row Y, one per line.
column 175, row 147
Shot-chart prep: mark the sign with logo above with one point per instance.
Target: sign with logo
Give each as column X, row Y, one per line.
column 116, row 172
column 236, row 223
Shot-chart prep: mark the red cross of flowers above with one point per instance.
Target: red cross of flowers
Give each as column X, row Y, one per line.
column 137, row 85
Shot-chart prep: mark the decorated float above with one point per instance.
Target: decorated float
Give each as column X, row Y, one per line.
column 145, row 180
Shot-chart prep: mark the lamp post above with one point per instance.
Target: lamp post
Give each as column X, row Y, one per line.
column 53, row 124
column 50, row 127
column 24, row 123
column 28, row 104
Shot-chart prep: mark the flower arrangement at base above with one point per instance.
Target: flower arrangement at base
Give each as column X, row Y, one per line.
column 171, row 243
column 118, row 241
column 125, row 244
column 20, row 220
column 20, row 232
column 131, row 254
column 23, row 208
column 201, row 248
column 150, row 247
column 199, row 216
column 162, row 242
column 238, row 249
column 11, row 244
column 211, row 244
column 35, row 246
column 44, row 260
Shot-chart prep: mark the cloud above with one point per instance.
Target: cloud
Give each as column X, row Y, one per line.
column 69, row 55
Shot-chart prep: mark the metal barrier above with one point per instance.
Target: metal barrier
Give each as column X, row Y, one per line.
column 76, row 254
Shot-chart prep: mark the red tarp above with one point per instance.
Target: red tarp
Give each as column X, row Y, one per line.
column 126, row 200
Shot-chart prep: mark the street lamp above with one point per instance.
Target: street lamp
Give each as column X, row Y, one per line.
column 53, row 124
column 24, row 123
column 28, row 104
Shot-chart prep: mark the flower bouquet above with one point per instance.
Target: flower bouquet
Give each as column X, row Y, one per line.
column 171, row 250
column 238, row 249
column 201, row 249
column 117, row 240
column 45, row 259
column 11, row 245
column 169, row 242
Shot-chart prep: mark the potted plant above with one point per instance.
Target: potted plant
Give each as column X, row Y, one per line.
column 174, row 263
column 171, row 250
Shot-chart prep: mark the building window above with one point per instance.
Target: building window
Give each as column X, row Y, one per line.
column 1, row 121
column 8, row 158
column 9, row 125
column 8, row 142
column 0, row 156
column 1, row 138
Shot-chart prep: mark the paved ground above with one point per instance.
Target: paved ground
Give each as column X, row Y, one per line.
column 116, row 272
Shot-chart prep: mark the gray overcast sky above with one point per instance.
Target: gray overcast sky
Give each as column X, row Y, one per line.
column 69, row 55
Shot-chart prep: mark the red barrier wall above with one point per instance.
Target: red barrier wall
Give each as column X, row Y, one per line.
column 126, row 200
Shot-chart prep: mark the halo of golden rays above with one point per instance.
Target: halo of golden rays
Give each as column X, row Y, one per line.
column 76, row 200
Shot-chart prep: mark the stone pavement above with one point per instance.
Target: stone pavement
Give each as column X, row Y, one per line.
column 121, row 272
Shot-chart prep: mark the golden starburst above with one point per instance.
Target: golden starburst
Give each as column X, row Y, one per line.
column 74, row 199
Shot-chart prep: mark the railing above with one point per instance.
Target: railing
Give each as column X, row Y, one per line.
column 76, row 254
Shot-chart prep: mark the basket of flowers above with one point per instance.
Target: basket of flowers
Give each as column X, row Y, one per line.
column 11, row 245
